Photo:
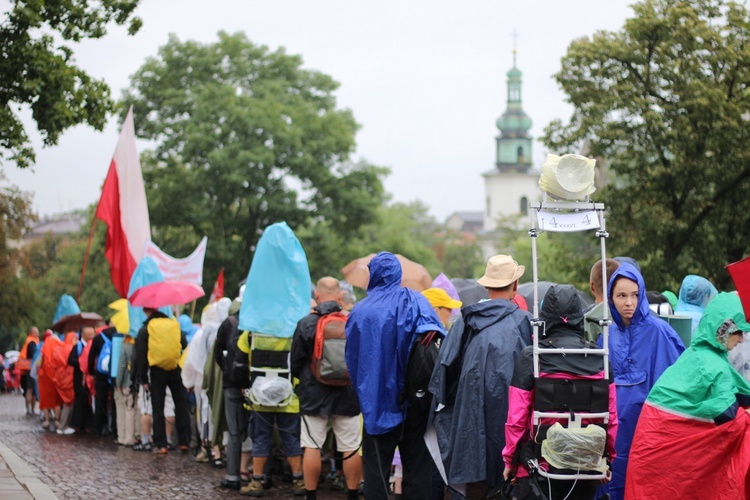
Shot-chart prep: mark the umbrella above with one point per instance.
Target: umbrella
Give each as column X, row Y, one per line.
column 414, row 276
column 74, row 322
column 527, row 290
column 165, row 293
column 469, row 291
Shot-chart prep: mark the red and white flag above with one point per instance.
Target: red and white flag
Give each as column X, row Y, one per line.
column 740, row 273
column 124, row 209
column 218, row 291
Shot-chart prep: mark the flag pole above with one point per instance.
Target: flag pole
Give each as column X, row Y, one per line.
column 85, row 259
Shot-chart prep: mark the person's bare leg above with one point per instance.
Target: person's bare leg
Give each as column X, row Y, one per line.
column 311, row 465
column 245, row 460
column 352, row 469
column 259, row 464
column 145, row 426
column 295, row 463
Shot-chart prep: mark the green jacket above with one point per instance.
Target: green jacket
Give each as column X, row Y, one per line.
column 702, row 384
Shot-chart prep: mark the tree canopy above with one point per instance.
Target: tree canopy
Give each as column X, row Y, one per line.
column 665, row 101
column 245, row 137
column 39, row 71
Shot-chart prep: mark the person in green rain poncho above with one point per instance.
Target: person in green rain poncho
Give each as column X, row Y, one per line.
column 693, row 436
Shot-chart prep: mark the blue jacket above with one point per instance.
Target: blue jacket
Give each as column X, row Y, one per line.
column 471, row 382
column 379, row 334
column 639, row 354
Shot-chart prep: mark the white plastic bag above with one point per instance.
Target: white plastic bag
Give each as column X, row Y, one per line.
column 271, row 391
column 577, row 449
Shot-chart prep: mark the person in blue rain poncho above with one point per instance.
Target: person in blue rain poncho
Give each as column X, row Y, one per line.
column 695, row 294
column 380, row 333
column 641, row 347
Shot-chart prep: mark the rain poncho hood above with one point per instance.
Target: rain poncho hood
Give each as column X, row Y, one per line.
column 66, row 306
column 277, row 291
column 471, row 382
column 562, row 310
column 639, row 353
column 380, row 332
column 702, row 383
column 695, row 294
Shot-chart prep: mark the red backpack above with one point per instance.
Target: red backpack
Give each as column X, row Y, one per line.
column 328, row 363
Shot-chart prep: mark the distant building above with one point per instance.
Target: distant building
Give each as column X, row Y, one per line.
column 56, row 225
column 465, row 222
column 513, row 183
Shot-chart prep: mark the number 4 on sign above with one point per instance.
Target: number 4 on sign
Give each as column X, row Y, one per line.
column 567, row 222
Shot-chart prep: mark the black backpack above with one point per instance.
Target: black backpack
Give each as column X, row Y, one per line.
column 236, row 365
column 422, row 360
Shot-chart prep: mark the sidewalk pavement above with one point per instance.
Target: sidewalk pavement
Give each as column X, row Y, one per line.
column 18, row 481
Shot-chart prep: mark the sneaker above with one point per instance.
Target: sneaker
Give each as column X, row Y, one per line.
column 230, row 485
column 67, row 431
column 201, row 457
column 298, row 486
column 337, row 483
column 254, row 488
column 143, row 447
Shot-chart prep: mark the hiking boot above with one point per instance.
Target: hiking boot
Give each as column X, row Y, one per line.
column 254, row 488
column 298, row 486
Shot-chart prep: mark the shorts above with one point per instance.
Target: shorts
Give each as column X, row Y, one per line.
column 144, row 403
column 262, row 432
column 26, row 383
column 347, row 430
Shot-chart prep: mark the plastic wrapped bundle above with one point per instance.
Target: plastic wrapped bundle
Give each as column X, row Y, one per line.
column 568, row 177
column 271, row 391
column 576, row 449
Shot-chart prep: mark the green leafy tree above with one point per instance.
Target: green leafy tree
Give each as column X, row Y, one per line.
column 245, row 137
column 39, row 71
column 17, row 298
column 400, row 228
column 52, row 267
column 462, row 258
column 666, row 101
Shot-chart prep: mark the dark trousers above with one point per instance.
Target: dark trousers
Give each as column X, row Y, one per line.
column 101, row 403
column 80, row 419
column 581, row 490
column 416, row 461
column 160, row 380
column 237, row 426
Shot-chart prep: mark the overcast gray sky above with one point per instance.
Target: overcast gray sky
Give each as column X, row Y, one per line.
column 425, row 79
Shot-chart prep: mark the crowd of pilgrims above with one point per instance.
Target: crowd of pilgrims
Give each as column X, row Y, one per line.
column 676, row 421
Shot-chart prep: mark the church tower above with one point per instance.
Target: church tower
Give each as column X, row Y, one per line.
column 513, row 182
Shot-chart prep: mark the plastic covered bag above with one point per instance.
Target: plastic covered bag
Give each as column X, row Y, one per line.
column 577, row 449
column 271, row 391
column 569, row 177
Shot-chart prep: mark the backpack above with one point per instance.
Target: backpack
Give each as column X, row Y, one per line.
column 328, row 363
column 164, row 343
column 422, row 360
column 102, row 362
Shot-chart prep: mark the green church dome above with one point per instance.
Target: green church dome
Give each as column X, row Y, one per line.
column 514, row 120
